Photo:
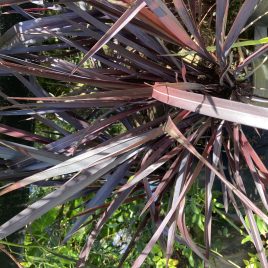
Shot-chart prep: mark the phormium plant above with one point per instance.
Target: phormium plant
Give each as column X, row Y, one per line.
column 176, row 79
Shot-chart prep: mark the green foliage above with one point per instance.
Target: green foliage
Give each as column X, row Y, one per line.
column 262, row 227
column 253, row 262
column 43, row 237
column 43, row 248
column 160, row 261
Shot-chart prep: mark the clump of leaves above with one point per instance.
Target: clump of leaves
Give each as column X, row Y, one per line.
column 178, row 115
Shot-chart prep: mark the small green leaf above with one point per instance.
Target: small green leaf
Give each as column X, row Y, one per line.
column 246, row 239
column 191, row 260
column 219, row 205
column 156, row 258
